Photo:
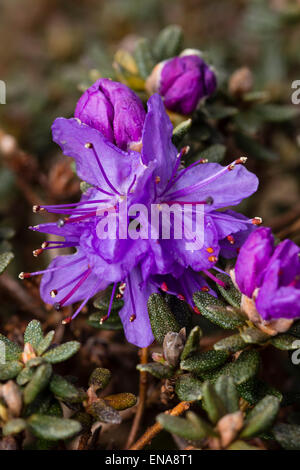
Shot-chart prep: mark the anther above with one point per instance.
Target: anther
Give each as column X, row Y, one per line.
column 185, row 150
column 23, row 275
column 122, row 288
column 44, row 245
column 181, row 297
column 204, row 289
column 132, row 318
column 37, row 252
column 231, row 239
column 212, row 259
column 53, row 293
column 164, row 287
column 157, row 179
column 88, row 145
column 103, row 319
column 209, row 249
column 256, row 220
column 209, row 200
column 66, row 320
column 119, row 296
column 57, row 306
column 38, row 209
column 203, row 160
column 196, row 310
column 60, row 223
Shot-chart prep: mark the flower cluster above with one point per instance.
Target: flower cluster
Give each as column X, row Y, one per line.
column 108, row 119
column 270, row 275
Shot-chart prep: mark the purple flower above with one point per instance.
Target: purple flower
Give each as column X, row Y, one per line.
column 114, row 110
column 141, row 266
column 182, row 82
column 271, row 276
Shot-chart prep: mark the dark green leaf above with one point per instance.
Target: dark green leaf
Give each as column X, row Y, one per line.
column 212, row 403
column 121, row 401
column 33, row 333
column 25, row 375
column 100, row 410
column 112, row 323
column 12, row 350
column 143, row 57
column 161, row 318
column 53, row 428
column 45, row 343
column 288, row 435
column 252, row 335
column 10, row 370
column 188, row 429
column 188, row 388
column 254, row 149
column 14, row 426
column 180, row 131
column 5, row 259
column 214, row 153
column 231, row 294
column 285, row 342
column 64, row 390
column 192, row 343
column 38, row 382
column 158, row 370
column 204, row 361
column 168, row 43
column 227, row 391
column 231, row 344
column 277, row 113
column 62, row 352
column 100, row 378
column 215, row 311
column 261, row 417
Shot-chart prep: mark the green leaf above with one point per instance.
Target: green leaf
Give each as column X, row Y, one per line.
column 192, row 343
column 252, row 335
column 288, row 435
column 33, row 333
column 12, row 350
column 14, row 426
column 45, row 343
column 100, row 410
column 226, row 389
column 231, row 344
column 180, row 131
column 53, row 428
column 277, row 113
column 214, row 153
column 38, row 382
column 212, row 402
column 183, row 427
column 160, row 371
column 103, row 300
column 241, row 445
column 204, row 361
column 246, row 366
column 5, row 259
column 285, row 342
column 10, row 370
column 62, row 353
column 168, row 43
column 143, row 57
column 121, row 401
column 100, row 378
column 216, row 111
column 254, row 390
column 231, row 294
column 215, row 311
column 188, row 388
column 25, row 375
column 254, row 149
column 294, row 330
column 161, row 318
column 112, row 323
column 64, row 390
column 261, row 417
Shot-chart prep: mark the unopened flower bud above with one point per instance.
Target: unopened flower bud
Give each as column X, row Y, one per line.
column 182, row 82
column 240, row 82
column 114, row 110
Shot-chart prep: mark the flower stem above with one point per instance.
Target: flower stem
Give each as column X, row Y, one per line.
column 142, row 399
column 156, row 428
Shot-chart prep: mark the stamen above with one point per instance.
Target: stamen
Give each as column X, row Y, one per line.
column 205, row 289
column 157, row 179
column 37, row 252
column 66, row 320
column 122, row 287
column 209, row 249
column 181, row 297
column 231, row 239
column 170, row 183
column 164, row 287
column 209, row 201
column 132, row 318
column 111, row 299
column 53, row 293
column 91, row 292
column 191, row 189
column 23, row 275
column 256, row 220
column 196, row 310
column 215, row 279
column 89, row 145
column 85, row 275
column 212, row 259
column 132, row 184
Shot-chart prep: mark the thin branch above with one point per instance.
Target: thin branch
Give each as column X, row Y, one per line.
column 156, row 428
column 142, row 400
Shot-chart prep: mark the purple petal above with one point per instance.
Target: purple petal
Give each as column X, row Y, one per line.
column 139, row 331
column 252, row 260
